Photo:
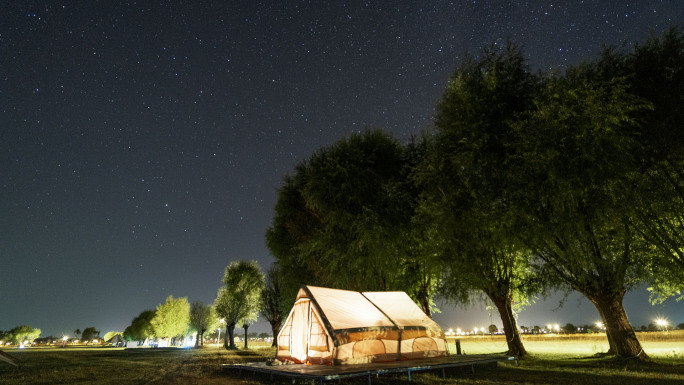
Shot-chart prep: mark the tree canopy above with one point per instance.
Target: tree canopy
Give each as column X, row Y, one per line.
column 90, row 333
column 24, row 333
column 171, row 319
column 202, row 318
column 140, row 328
column 343, row 219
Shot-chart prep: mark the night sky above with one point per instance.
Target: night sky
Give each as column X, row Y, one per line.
column 143, row 142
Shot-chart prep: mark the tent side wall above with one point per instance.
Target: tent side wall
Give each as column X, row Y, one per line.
column 391, row 344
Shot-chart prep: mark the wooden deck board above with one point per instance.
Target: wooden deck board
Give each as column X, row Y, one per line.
column 329, row 372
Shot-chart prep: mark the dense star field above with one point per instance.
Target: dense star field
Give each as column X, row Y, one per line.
column 143, row 142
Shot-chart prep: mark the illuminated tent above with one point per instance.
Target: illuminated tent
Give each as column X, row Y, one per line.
column 344, row 327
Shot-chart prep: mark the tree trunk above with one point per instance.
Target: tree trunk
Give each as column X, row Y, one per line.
column 621, row 337
column 611, row 345
column 275, row 328
column 197, row 341
column 510, row 325
column 229, row 341
column 425, row 304
column 245, row 326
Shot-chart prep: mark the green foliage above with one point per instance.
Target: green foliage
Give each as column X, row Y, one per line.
column 271, row 298
column 467, row 177
column 344, row 220
column 239, row 299
column 111, row 334
column 89, row 334
column 171, row 318
column 141, row 327
column 23, row 333
column 655, row 72
column 202, row 318
column 576, row 151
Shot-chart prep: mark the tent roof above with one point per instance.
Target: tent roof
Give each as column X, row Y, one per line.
column 344, row 309
column 401, row 309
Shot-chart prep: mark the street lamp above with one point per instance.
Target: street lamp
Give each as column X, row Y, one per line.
column 218, row 342
column 662, row 324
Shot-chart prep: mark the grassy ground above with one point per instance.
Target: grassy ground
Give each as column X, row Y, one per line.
column 553, row 360
column 655, row 344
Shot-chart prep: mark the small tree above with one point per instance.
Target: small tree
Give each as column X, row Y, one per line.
column 492, row 329
column 570, row 328
column 238, row 300
column 171, row 318
column 89, row 334
column 141, row 327
column 271, row 303
column 202, row 318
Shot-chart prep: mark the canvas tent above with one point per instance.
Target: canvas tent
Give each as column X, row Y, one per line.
column 344, row 327
column 117, row 341
column 7, row 358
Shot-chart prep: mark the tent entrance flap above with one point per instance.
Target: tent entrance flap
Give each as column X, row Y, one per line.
column 303, row 336
column 300, row 320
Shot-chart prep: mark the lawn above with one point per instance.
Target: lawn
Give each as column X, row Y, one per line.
column 553, row 360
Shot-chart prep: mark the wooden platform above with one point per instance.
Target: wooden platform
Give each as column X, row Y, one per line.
column 322, row 373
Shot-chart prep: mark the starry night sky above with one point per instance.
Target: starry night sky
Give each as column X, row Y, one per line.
column 143, row 142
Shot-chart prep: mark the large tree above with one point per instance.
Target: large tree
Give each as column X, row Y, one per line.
column 576, row 151
column 238, row 300
column 202, row 318
column 466, row 175
column 171, row 319
column 271, row 301
column 344, row 220
column 140, row 328
column 654, row 71
column 23, row 333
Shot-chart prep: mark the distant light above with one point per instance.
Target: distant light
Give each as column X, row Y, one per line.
column 662, row 323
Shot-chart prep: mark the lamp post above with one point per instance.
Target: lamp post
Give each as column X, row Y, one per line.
column 218, row 342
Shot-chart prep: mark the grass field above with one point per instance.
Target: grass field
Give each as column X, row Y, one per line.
column 553, row 360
